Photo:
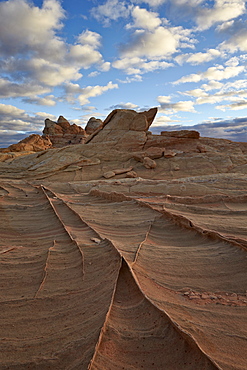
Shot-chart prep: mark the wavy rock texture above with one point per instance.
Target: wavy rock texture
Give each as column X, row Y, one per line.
column 125, row 273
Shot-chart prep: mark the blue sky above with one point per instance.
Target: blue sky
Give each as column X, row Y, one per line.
column 85, row 58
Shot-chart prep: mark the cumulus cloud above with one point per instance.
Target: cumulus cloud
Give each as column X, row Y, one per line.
column 16, row 124
column 217, row 73
column 240, row 104
column 134, row 78
column 111, row 10
column 136, row 65
column 74, row 92
column 144, row 19
column 23, row 25
column 198, row 58
column 222, row 11
column 238, row 42
column 49, row 100
column 9, row 89
column 181, row 106
column 157, row 43
column 233, row 94
column 33, row 57
column 92, row 91
column 16, row 119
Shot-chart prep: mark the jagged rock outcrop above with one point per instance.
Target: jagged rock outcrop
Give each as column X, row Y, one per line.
column 93, row 125
column 32, row 143
column 124, row 128
column 62, row 133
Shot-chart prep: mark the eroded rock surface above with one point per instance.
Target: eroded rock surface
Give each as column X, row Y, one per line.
column 33, row 143
column 62, row 133
column 128, row 251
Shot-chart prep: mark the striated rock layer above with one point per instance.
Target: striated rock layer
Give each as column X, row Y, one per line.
column 126, row 252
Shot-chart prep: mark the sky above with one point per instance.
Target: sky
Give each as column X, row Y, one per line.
column 84, row 58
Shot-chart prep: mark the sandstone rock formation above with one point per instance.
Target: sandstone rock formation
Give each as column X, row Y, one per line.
column 92, row 125
column 61, row 133
column 186, row 134
column 107, row 263
column 33, row 143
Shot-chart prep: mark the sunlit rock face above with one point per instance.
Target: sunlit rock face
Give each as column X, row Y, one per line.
column 124, row 128
column 127, row 251
column 33, row 143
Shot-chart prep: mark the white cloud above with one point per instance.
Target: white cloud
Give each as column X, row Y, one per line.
column 123, row 106
column 92, row 91
column 23, row 25
column 222, row 11
column 163, row 121
column 224, row 26
column 241, row 104
column 90, row 38
column 83, row 56
column 73, row 92
column 49, row 100
column 212, row 85
column 93, row 74
column 158, row 43
column 128, row 80
column 144, row 19
column 112, row 10
column 237, row 42
column 181, row 106
column 44, row 115
column 33, row 57
column 198, row 58
column 234, row 93
column 52, row 74
column 196, row 93
column 136, row 65
column 153, row 3
column 14, row 119
column 213, row 73
column 11, row 89
column 105, row 67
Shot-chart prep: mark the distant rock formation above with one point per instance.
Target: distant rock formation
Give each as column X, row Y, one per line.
column 93, row 124
column 32, row 143
column 61, row 133
column 185, row 134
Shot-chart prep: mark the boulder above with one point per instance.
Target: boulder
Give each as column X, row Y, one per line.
column 154, row 152
column 109, row 174
column 149, row 163
column 169, row 154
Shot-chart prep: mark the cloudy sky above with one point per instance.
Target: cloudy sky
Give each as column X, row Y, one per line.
column 85, row 58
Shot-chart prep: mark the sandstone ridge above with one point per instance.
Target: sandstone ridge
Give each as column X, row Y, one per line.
column 124, row 251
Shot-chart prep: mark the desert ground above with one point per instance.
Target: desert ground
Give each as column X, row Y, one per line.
column 120, row 249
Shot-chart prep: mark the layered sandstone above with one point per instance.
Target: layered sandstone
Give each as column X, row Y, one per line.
column 33, row 143
column 62, row 133
column 127, row 251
